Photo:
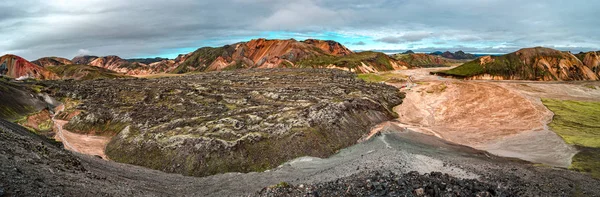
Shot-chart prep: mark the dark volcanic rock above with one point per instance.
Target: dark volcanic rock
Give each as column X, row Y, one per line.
column 247, row 120
column 390, row 184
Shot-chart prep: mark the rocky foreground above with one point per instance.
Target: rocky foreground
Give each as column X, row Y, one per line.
column 421, row 165
column 390, row 184
column 234, row 121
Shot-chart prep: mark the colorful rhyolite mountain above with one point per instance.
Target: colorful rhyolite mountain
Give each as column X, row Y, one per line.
column 263, row 53
column 16, row 67
column 52, row 61
column 531, row 64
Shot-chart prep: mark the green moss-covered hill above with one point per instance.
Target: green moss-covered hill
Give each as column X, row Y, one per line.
column 425, row 60
column 84, row 72
column 526, row 64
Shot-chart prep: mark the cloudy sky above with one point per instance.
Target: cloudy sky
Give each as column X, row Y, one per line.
column 149, row 28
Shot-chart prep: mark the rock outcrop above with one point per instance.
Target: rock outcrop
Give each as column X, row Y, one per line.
column 16, row 67
column 538, row 63
column 233, row 121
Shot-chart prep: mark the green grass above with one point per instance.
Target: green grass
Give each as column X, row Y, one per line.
column 578, row 123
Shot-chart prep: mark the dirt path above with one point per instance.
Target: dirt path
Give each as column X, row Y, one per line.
column 85, row 144
column 504, row 118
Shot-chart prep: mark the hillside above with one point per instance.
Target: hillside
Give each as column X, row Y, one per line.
column 129, row 66
column 18, row 100
column 16, row 67
column 363, row 62
column 52, row 61
column 424, row 60
column 84, row 72
column 538, row 63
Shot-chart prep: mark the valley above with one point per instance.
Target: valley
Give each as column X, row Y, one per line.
column 287, row 117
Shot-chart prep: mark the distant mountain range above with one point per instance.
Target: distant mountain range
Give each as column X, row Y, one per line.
column 535, row 63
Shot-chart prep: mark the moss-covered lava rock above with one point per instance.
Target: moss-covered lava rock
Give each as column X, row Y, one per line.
column 230, row 121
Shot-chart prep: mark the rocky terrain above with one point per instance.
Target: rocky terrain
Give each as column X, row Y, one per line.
column 31, row 165
column 16, row 67
column 390, row 184
column 538, row 63
column 235, row 121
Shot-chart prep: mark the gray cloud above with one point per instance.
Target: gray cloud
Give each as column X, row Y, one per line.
column 359, row 43
column 407, row 37
column 36, row 28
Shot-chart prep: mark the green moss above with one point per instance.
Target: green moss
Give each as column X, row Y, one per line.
column 578, row 123
column 588, row 161
column 85, row 72
column 575, row 121
column 509, row 66
column 591, row 87
column 203, row 57
column 466, row 70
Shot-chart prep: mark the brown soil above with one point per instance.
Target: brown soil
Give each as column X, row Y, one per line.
column 505, row 118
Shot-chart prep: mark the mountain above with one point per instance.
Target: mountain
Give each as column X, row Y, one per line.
column 146, row 60
column 84, row 59
column 530, row 64
column 437, row 53
column 363, row 62
column 263, row 53
column 52, row 61
column 424, row 60
column 409, row 52
column 459, row 55
column 85, row 72
column 16, row 67
column 257, row 53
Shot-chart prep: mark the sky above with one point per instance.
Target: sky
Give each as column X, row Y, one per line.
column 151, row 28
